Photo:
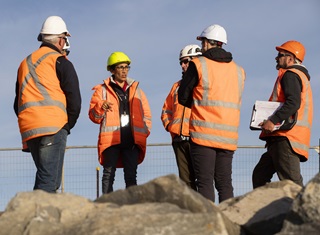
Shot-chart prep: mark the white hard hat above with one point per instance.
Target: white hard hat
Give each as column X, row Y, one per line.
column 190, row 50
column 54, row 25
column 214, row 32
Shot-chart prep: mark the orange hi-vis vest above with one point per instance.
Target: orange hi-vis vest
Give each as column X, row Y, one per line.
column 299, row 136
column 41, row 103
column 174, row 116
column 215, row 111
column 140, row 117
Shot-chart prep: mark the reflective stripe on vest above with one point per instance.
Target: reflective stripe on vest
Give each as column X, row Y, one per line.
column 298, row 140
column 223, row 140
column 205, row 101
column 105, row 128
column 33, row 75
column 144, row 129
column 47, row 100
column 175, row 117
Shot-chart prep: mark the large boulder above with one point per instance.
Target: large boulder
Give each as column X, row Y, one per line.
column 39, row 212
column 163, row 206
column 304, row 216
column 263, row 210
column 169, row 189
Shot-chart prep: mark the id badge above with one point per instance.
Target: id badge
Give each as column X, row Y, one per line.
column 124, row 120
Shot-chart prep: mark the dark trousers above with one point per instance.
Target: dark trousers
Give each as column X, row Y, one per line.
column 129, row 158
column 279, row 159
column 184, row 162
column 213, row 166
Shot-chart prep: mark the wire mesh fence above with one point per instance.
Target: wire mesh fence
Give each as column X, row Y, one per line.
column 82, row 172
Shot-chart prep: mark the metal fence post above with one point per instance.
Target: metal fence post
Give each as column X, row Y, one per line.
column 98, row 169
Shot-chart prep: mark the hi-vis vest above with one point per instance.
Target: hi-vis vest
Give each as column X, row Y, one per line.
column 42, row 103
column 140, row 117
column 174, row 116
column 215, row 111
column 299, row 135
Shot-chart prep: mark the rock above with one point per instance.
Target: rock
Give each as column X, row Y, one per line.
column 39, row 212
column 304, row 216
column 258, row 209
column 166, row 205
column 163, row 206
column 168, row 189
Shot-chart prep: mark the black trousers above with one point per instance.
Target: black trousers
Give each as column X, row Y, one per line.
column 279, row 159
column 130, row 164
column 184, row 162
column 213, row 166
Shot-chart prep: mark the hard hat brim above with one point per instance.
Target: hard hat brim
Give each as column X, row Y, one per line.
column 199, row 38
column 280, row 48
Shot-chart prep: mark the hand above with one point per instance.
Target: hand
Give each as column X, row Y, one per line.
column 267, row 126
column 107, row 106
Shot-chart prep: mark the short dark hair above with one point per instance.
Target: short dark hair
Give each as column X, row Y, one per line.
column 214, row 42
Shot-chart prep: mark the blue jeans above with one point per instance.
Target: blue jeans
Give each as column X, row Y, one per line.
column 48, row 155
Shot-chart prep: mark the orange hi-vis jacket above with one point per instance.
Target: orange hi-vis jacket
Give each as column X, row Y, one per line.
column 215, row 111
column 140, row 117
column 299, row 136
column 174, row 116
column 42, row 103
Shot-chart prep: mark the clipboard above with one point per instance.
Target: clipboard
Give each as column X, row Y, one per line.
column 262, row 110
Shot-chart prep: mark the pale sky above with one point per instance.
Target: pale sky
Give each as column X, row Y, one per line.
column 152, row 33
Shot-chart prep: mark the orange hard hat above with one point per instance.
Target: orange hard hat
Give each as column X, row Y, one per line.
column 293, row 47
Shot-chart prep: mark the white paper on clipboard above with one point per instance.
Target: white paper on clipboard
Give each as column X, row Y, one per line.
column 261, row 111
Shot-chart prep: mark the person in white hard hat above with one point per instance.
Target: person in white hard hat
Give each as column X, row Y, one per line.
column 47, row 103
column 212, row 87
column 175, row 119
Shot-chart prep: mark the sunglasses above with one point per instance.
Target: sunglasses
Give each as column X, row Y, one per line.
column 186, row 61
column 282, row 55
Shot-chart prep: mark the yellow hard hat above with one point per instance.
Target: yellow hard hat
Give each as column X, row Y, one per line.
column 117, row 58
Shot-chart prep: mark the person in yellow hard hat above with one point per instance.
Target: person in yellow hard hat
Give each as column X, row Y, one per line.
column 122, row 110
column 287, row 148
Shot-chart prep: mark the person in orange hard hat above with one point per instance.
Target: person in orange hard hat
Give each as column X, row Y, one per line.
column 121, row 108
column 175, row 119
column 47, row 103
column 287, row 148
column 212, row 87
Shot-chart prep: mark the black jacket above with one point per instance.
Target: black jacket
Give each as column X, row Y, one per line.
column 292, row 86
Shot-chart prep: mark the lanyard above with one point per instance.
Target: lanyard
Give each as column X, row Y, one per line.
column 124, row 101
